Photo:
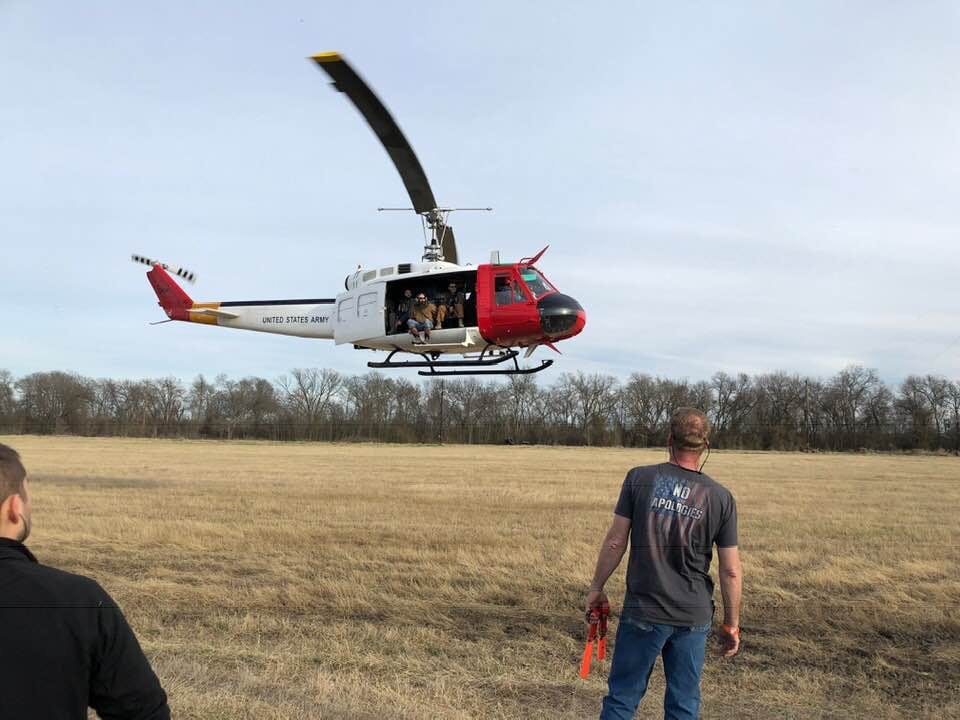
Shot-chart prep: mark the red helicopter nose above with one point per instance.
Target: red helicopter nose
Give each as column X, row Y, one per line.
column 561, row 316
column 581, row 322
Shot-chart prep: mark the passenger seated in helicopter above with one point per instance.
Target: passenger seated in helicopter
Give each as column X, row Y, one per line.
column 450, row 307
column 401, row 312
column 420, row 322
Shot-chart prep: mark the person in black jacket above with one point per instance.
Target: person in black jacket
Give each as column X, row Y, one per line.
column 65, row 644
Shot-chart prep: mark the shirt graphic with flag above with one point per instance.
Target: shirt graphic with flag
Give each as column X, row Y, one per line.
column 676, row 515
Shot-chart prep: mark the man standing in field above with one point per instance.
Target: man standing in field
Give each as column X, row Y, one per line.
column 66, row 645
column 672, row 515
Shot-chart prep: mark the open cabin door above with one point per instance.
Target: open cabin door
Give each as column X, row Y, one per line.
column 359, row 314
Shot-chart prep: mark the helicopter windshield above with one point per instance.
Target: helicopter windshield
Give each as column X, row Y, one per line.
column 536, row 282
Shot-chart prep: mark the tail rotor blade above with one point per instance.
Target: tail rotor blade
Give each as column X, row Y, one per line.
column 144, row 260
column 180, row 272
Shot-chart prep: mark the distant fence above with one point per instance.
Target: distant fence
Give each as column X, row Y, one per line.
column 890, row 437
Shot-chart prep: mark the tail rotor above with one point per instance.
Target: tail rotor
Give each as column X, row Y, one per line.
column 180, row 272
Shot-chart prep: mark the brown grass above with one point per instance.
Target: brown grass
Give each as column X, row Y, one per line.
column 369, row 581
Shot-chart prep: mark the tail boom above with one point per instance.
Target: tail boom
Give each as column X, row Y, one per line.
column 304, row 318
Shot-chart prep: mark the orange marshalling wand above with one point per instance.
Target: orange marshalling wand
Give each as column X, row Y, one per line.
column 597, row 618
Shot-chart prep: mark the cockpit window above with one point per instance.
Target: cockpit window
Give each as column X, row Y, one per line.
column 506, row 291
column 537, row 283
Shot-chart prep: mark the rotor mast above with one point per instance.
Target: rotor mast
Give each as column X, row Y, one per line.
column 437, row 231
column 435, row 222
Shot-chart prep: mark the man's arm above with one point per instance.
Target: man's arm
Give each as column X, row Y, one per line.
column 123, row 686
column 731, row 587
column 611, row 552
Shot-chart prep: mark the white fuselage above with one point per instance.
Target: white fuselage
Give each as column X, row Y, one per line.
column 357, row 316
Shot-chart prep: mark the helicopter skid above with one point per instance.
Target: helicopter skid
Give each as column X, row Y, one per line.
column 516, row 370
column 466, row 366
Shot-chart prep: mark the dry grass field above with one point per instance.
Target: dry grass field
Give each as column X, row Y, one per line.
column 369, row 581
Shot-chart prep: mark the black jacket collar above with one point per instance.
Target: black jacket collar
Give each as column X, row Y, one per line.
column 13, row 550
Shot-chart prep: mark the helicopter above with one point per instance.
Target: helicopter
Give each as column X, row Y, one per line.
column 499, row 309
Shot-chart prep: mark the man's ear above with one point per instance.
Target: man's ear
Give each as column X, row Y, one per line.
column 11, row 509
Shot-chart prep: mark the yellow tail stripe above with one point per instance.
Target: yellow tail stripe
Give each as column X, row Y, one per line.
column 204, row 319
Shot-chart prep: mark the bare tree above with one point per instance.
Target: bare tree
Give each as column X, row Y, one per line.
column 641, row 408
column 54, row 402
column 914, row 408
column 733, row 400
column 937, row 391
column 776, row 409
column 464, row 396
column 953, row 397
column 201, row 404
column 308, row 393
column 594, row 399
column 845, row 401
column 407, row 410
column 371, row 398
column 878, row 416
column 167, row 400
column 522, row 392
column 7, row 400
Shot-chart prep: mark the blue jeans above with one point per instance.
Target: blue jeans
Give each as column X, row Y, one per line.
column 425, row 325
column 634, row 655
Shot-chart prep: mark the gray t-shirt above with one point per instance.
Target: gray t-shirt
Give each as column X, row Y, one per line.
column 676, row 517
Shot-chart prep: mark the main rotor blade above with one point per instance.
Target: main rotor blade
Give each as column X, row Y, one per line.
column 346, row 80
column 448, row 245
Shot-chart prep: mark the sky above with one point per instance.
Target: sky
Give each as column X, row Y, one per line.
column 736, row 186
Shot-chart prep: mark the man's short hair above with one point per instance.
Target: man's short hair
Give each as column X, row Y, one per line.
column 12, row 473
column 690, row 429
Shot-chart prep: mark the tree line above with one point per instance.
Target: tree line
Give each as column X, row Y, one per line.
column 852, row 410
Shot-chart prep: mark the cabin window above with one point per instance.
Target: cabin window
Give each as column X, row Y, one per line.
column 345, row 309
column 386, row 271
column 365, row 304
column 369, row 275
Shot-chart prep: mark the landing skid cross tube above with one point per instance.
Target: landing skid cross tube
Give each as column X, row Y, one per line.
column 465, row 365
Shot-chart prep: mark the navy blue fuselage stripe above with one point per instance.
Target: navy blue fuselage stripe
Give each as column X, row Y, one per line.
column 314, row 301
